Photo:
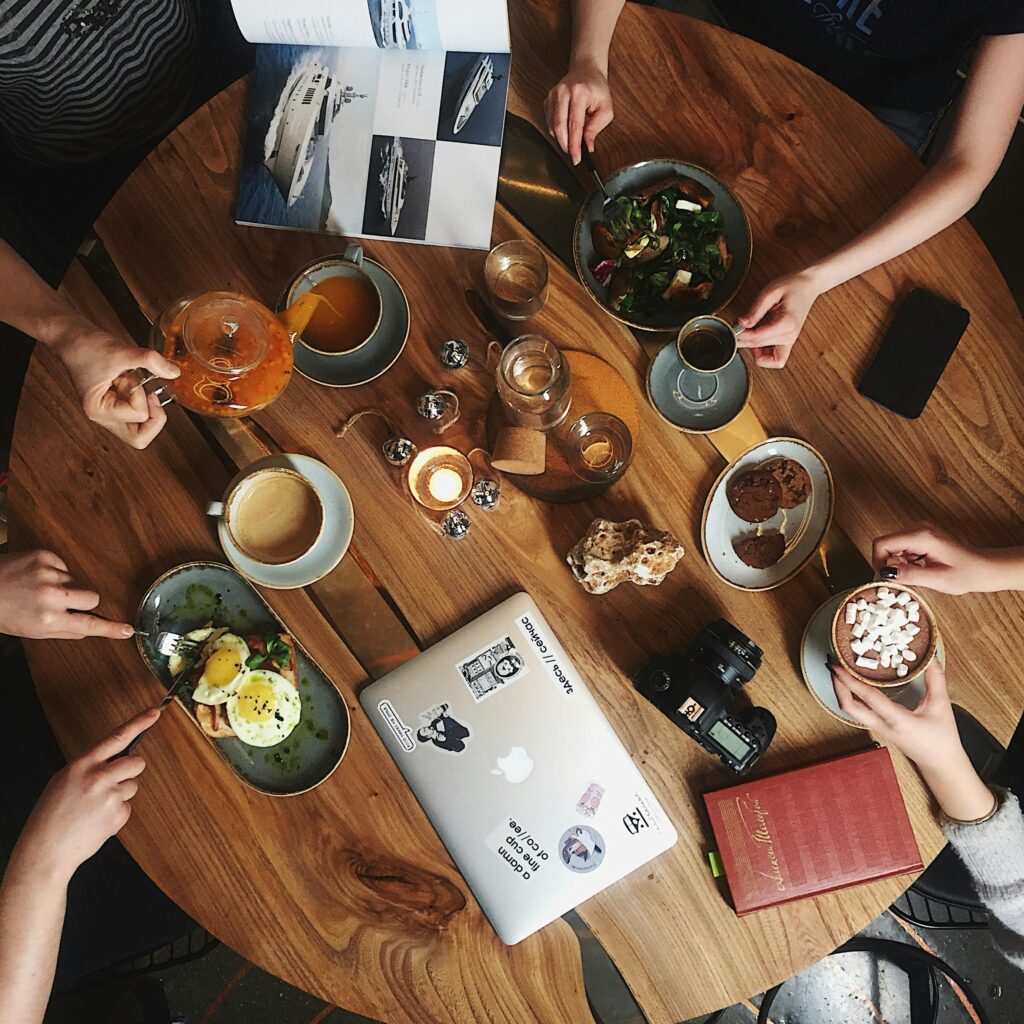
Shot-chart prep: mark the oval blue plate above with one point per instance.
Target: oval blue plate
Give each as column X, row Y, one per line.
column 193, row 594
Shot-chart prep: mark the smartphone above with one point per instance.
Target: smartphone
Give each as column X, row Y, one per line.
column 914, row 352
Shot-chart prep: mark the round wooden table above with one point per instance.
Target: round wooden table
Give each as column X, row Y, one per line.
column 346, row 891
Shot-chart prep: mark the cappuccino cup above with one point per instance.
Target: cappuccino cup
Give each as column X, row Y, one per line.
column 273, row 516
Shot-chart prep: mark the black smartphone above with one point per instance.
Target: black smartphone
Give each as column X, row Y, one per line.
column 914, row 352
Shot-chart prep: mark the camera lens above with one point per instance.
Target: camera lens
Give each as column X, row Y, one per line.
column 660, row 680
column 726, row 652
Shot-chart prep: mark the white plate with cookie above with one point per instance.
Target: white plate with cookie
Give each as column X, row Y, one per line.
column 767, row 514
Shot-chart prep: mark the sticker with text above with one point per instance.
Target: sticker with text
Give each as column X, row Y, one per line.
column 534, row 635
column 443, row 730
column 402, row 732
column 492, row 667
column 515, row 845
column 581, row 848
column 588, row 804
column 642, row 817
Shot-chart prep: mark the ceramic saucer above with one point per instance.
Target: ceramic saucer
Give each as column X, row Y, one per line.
column 370, row 360
column 331, row 545
column 696, row 403
column 804, row 527
column 816, row 647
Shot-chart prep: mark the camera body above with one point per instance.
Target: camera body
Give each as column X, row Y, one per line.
column 695, row 690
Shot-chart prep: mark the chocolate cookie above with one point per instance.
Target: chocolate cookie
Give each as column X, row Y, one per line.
column 794, row 481
column 761, row 552
column 754, row 496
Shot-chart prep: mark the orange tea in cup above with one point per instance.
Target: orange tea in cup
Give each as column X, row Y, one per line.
column 347, row 317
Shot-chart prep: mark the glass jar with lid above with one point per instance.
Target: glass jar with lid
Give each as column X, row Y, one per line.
column 234, row 354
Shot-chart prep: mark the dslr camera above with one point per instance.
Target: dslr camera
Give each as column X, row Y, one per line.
column 696, row 689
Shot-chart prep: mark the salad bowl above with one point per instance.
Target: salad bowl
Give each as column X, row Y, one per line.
column 656, row 314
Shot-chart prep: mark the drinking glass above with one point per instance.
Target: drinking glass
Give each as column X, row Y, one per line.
column 600, row 447
column 534, row 383
column 516, row 274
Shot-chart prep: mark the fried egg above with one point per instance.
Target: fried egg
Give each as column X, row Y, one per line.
column 224, row 669
column 175, row 663
column 265, row 709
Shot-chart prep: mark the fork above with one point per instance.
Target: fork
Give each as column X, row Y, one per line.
column 588, row 162
column 168, row 643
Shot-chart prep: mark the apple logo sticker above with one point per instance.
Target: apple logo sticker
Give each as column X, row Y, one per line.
column 516, row 766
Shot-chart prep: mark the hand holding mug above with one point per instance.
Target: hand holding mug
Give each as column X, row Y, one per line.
column 40, row 599
column 776, row 317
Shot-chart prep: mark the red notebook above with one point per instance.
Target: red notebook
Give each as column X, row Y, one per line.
column 812, row 830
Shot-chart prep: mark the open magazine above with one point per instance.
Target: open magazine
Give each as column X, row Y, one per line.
column 375, row 118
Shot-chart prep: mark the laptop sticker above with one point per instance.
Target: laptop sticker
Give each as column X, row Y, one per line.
column 515, row 845
column 402, row 732
column 642, row 817
column 442, row 730
column 545, row 651
column 581, row 848
column 492, row 668
column 588, row 804
column 516, row 765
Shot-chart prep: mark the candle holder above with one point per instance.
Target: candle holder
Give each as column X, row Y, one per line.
column 440, row 478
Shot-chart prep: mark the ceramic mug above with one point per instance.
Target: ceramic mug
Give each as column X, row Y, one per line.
column 350, row 266
column 273, row 516
column 707, row 344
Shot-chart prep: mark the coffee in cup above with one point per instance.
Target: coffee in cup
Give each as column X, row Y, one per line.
column 707, row 344
column 273, row 516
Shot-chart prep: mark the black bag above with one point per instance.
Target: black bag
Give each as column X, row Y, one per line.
column 922, row 969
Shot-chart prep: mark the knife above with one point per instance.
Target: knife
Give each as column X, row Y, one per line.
column 172, row 692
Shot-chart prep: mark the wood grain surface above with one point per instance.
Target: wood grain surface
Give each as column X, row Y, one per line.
column 347, row 892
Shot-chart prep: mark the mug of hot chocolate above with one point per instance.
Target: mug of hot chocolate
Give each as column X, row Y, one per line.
column 884, row 634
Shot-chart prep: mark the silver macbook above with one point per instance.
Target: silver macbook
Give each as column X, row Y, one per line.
column 518, row 769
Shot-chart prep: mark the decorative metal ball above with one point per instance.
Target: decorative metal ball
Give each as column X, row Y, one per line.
column 453, row 354
column 486, row 493
column 456, row 524
column 398, row 450
column 431, row 406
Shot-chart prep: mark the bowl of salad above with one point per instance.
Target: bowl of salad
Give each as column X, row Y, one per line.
column 675, row 244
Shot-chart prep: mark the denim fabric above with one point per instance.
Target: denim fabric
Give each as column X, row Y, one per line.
column 914, row 127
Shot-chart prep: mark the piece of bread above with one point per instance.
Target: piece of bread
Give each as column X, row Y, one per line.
column 213, row 720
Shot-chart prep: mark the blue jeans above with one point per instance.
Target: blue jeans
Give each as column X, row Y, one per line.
column 914, row 127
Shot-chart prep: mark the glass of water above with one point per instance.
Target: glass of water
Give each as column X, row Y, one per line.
column 516, row 274
column 600, row 447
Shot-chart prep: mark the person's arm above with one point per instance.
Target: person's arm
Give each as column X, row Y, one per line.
column 580, row 105
column 97, row 360
column 83, row 805
column 985, row 828
column 40, row 599
column 985, row 121
column 925, row 556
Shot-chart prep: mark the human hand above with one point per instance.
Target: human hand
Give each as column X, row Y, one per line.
column 100, row 365
column 925, row 556
column 775, row 318
column 579, row 107
column 85, row 803
column 927, row 734
column 39, row 599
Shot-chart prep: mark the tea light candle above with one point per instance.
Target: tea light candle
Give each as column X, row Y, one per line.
column 440, row 478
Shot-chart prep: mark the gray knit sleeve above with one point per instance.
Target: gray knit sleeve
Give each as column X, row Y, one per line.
column 993, row 852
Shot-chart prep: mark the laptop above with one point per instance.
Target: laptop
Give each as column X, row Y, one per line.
column 517, row 768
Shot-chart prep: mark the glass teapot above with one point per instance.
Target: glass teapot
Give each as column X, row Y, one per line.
column 235, row 355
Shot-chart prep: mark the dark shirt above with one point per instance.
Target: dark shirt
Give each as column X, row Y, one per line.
column 83, row 79
column 889, row 53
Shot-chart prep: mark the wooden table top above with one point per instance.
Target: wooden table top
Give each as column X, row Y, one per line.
column 346, row 891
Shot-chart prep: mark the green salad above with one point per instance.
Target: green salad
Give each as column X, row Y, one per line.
column 661, row 247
